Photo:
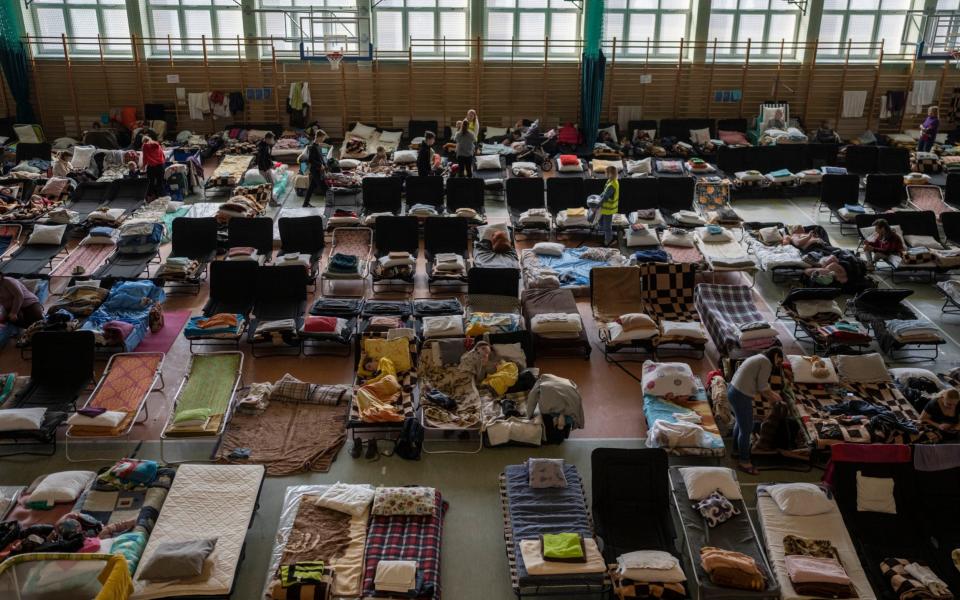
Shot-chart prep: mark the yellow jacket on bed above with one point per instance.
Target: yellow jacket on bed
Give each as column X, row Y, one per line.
column 503, row 378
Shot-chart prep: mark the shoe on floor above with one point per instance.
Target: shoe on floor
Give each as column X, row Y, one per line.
column 372, row 451
column 357, row 449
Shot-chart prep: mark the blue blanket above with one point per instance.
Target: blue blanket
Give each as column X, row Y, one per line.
column 573, row 269
column 128, row 301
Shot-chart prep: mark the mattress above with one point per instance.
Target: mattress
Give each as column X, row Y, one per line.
column 537, row 302
column 348, row 567
column 826, row 526
column 779, row 257
column 230, row 170
column 216, row 501
column 533, row 512
column 727, row 256
column 737, row 534
column 660, row 409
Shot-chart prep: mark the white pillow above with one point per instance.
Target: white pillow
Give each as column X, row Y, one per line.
column 803, row 371
column 926, row 241
column 770, row 235
column 680, row 240
column 902, row 374
column 442, row 325
column 808, row 308
column 548, row 248
column 488, row 162
column 642, row 237
column 46, row 234
column 346, row 498
column 405, row 157
column 391, row 137
column 612, row 130
column 650, row 565
column 522, row 164
column 865, row 368
column 253, row 177
column 511, row 352
column 21, row 419
column 618, row 334
column 661, row 379
column 715, row 238
column 64, row 486
column 703, row 481
column 109, row 418
column 577, row 168
column 640, row 167
column 495, row 132
column 349, row 163
column 875, row 494
column 364, row 131
column 692, row 330
column 800, row 499
column 487, row 232
column 26, row 134
column 700, row 136
column 688, row 217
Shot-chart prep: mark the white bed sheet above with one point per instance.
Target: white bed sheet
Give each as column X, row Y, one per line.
column 205, row 501
column 726, row 250
column 827, row 526
column 372, row 143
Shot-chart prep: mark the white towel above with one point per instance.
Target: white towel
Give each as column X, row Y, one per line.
column 199, row 104
column 82, row 155
column 853, row 103
column 398, row 576
column 884, row 112
column 922, row 94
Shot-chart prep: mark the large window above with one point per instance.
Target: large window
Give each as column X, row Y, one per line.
column 864, row 23
column 186, row 22
column 763, row 22
column 81, row 19
column 635, row 22
column 518, row 28
column 324, row 25
column 426, row 27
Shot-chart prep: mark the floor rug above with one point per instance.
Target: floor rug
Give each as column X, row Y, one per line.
column 161, row 341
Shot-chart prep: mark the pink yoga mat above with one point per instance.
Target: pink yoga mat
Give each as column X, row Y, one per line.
column 161, row 341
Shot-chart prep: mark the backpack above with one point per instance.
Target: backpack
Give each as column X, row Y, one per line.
column 410, row 442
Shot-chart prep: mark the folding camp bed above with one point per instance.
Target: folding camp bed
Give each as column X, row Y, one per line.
column 302, row 236
column 204, row 402
column 529, row 512
column 60, row 369
column 228, row 173
column 881, row 535
column 840, row 196
column 382, row 195
column 524, row 195
column 928, row 197
column 665, row 415
column 395, row 234
column 778, row 526
column 542, row 310
column 9, row 238
column 937, row 476
column 712, row 200
column 446, row 380
column 826, row 330
column 491, row 170
column 124, row 387
column 30, row 260
column 280, row 302
column 727, row 256
column 188, row 514
column 232, row 292
column 130, row 302
column 669, row 297
column 342, row 210
column 446, row 236
column 571, row 270
column 883, row 192
column 343, row 555
column 424, row 190
column 466, row 193
column 401, row 309
column 614, row 292
column 392, row 406
column 88, row 197
column 84, row 260
column 407, row 537
column 784, row 262
column 730, row 314
column 738, row 534
column 916, row 259
column 484, row 256
column 675, row 194
column 64, row 575
column 886, row 314
column 564, row 194
column 128, row 194
column 125, row 265
column 194, row 239
column 252, row 232
column 349, row 241
column 341, row 339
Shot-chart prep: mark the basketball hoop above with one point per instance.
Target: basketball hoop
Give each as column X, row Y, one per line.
column 335, row 59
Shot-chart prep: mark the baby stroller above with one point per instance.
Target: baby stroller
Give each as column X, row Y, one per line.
column 537, row 147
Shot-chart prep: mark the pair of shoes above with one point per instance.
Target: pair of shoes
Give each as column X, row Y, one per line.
column 357, row 449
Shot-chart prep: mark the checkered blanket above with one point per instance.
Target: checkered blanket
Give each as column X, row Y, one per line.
column 723, row 309
column 668, row 291
column 403, row 537
column 822, row 428
column 627, row 589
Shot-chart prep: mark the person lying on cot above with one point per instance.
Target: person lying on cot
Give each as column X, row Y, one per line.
column 802, row 239
column 826, row 134
column 829, row 272
column 608, row 140
column 941, row 411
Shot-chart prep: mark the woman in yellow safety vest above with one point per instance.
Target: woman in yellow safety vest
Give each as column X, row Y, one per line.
column 610, row 204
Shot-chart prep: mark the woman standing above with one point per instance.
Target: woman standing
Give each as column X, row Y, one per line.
column 929, row 129
column 466, row 146
column 751, row 378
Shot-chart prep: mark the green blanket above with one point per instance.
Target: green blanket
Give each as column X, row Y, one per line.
column 210, row 384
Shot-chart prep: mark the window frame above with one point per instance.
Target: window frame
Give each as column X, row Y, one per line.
column 548, row 11
column 86, row 48
column 762, row 49
column 636, row 49
column 185, row 50
column 878, row 14
column 436, row 10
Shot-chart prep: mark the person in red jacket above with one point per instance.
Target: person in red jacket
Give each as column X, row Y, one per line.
column 154, row 161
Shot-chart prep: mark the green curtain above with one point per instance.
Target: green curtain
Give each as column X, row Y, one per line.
column 591, row 97
column 13, row 60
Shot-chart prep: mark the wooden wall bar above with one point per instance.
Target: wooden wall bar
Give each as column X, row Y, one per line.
column 527, row 80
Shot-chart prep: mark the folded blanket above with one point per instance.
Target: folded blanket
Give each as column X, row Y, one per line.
column 556, row 323
column 344, row 263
